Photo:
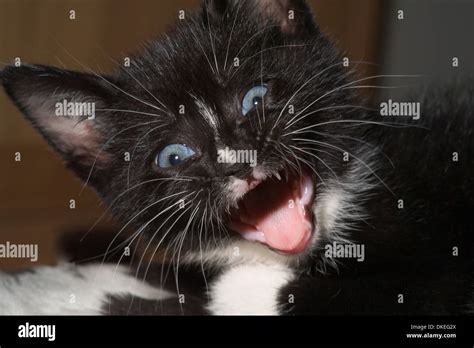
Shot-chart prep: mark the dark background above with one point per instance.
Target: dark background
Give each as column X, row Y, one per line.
column 35, row 193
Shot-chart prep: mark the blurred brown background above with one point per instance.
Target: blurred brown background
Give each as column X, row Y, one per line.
column 35, row 193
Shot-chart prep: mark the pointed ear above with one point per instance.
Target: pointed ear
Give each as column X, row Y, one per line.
column 62, row 106
column 217, row 8
column 293, row 17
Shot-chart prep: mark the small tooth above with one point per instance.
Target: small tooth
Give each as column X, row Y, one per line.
column 278, row 176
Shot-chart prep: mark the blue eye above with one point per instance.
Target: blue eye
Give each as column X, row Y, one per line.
column 253, row 98
column 173, row 155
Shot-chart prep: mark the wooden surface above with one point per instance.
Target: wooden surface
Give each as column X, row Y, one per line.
column 35, row 192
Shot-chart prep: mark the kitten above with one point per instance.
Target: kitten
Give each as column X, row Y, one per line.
column 261, row 176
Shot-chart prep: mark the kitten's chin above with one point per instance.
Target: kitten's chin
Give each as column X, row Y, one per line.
column 277, row 213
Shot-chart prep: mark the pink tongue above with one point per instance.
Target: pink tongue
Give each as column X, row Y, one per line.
column 279, row 213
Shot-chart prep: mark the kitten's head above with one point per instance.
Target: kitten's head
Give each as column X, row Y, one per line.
column 217, row 135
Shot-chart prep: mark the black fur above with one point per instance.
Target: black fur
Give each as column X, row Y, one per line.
column 408, row 251
column 172, row 72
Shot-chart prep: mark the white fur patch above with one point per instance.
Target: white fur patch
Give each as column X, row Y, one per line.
column 340, row 204
column 237, row 188
column 249, row 289
column 330, row 208
column 208, row 114
column 69, row 290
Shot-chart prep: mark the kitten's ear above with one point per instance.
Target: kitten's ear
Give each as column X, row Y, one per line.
column 291, row 16
column 61, row 106
column 217, row 8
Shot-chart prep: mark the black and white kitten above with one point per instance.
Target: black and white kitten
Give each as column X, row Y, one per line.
column 331, row 178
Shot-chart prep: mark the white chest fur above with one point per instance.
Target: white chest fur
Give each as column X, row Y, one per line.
column 248, row 289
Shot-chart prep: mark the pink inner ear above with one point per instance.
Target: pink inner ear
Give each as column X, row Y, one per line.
column 75, row 136
column 278, row 11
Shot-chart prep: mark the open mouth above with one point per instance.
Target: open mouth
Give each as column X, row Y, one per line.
column 277, row 213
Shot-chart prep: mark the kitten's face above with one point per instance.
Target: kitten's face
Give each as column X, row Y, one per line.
column 250, row 79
